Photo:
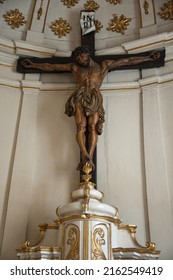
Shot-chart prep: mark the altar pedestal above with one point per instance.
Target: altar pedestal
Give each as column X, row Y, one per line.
column 87, row 229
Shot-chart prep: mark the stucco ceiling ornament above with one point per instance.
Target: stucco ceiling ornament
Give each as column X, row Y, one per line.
column 91, row 6
column 118, row 24
column 98, row 25
column 40, row 10
column 14, row 18
column 146, row 7
column 114, row 1
column 60, row 27
column 166, row 12
column 70, row 3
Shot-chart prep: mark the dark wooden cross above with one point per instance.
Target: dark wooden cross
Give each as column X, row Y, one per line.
column 89, row 40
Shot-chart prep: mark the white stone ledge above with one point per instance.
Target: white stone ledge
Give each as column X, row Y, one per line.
column 10, row 82
column 157, row 80
column 8, row 59
column 136, row 46
column 29, row 49
column 7, row 45
column 149, row 43
column 116, row 50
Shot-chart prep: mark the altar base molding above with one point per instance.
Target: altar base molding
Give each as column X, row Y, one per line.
column 87, row 229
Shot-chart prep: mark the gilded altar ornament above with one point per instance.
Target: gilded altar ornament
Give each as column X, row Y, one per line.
column 166, row 12
column 91, row 6
column 73, row 241
column 98, row 241
column 146, row 7
column 118, row 24
column 85, row 200
column 14, row 18
column 60, row 27
column 114, row 1
column 40, row 10
column 149, row 248
column 42, row 227
column 70, row 3
column 87, row 168
column 98, row 25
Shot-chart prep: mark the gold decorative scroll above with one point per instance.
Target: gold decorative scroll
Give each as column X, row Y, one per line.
column 91, row 6
column 166, row 12
column 98, row 241
column 70, row 3
column 114, row 1
column 43, row 227
column 149, row 248
column 73, row 241
column 118, row 24
column 14, row 18
column 60, row 27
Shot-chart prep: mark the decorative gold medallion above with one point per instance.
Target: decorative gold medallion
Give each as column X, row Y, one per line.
column 98, row 25
column 146, row 7
column 70, row 3
column 114, row 1
column 91, row 6
column 166, row 12
column 14, row 18
column 118, row 24
column 60, row 27
column 73, row 241
column 98, row 241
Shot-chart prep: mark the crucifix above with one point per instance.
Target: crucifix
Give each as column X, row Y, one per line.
column 86, row 103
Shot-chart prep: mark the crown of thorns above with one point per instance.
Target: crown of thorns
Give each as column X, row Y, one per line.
column 80, row 50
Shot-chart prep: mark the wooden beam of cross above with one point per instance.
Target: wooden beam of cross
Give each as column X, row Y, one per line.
column 85, row 104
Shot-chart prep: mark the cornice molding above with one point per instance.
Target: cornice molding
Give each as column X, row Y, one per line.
column 29, row 49
column 157, row 81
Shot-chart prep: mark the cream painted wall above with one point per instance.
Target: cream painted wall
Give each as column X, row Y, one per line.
column 38, row 150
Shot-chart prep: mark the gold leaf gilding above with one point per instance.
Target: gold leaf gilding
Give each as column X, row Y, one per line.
column 14, row 18
column 60, row 27
column 118, row 24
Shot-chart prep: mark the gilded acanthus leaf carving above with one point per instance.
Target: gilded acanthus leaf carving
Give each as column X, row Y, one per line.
column 73, row 242
column 98, row 241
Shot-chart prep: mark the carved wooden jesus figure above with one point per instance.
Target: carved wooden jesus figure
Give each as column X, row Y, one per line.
column 86, row 103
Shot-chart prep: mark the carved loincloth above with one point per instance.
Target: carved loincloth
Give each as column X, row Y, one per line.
column 90, row 102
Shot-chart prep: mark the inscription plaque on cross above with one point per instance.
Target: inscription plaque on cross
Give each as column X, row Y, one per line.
column 86, row 103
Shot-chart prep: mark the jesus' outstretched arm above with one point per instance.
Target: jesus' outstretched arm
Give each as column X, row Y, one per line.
column 134, row 60
column 27, row 63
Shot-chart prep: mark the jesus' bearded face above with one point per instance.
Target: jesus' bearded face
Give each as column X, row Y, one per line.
column 83, row 59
